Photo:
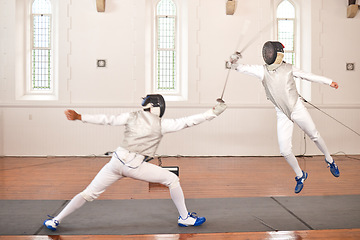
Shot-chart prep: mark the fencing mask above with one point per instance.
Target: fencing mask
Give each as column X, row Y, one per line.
column 270, row 51
column 154, row 103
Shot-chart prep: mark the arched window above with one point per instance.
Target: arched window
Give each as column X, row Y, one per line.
column 166, row 70
column 41, row 46
column 285, row 16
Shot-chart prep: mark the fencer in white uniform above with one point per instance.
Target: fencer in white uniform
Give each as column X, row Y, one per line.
column 277, row 78
column 143, row 132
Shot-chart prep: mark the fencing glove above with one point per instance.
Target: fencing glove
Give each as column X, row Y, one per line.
column 219, row 108
column 232, row 63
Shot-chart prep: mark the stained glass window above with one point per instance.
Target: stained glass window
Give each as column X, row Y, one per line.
column 166, row 67
column 41, row 47
column 286, row 29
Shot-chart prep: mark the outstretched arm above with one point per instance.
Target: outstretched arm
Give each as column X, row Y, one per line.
column 97, row 119
column 314, row 78
column 253, row 70
column 173, row 125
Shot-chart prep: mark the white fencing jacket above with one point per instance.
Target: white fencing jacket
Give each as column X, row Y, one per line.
column 144, row 130
column 280, row 85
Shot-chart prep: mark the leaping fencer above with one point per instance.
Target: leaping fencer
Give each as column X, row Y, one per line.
column 144, row 130
column 277, row 77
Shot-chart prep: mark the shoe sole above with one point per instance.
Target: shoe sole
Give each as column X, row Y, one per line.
column 196, row 224
column 334, row 173
column 51, row 228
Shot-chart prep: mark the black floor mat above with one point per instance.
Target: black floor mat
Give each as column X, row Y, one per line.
column 159, row 216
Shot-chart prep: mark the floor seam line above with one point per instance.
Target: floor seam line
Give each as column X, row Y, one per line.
column 61, row 206
column 293, row 214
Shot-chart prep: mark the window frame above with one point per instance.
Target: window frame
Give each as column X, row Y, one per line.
column 176, row 89
column 182, row 50
column 300, row 38
column 294, row 35
column 30, row 90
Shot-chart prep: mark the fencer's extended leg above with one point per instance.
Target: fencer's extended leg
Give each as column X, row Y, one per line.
column 75, row 203
column 303, row 119
column 106, row 176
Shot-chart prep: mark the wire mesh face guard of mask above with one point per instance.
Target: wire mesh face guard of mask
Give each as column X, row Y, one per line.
column 270, row 50
column 154, row 100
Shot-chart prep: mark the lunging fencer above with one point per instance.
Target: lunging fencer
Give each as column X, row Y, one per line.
column 277, row 77
column 144, row 130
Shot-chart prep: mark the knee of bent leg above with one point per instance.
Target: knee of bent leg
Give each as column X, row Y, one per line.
column 173, row 181
column 285, row 147
column 89, row 195
column 314, row 136
column 285, row 151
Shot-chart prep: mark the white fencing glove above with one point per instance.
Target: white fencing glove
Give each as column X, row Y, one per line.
column 219, row 108
column 229, row 65
column 232, row 63
column 235, row 57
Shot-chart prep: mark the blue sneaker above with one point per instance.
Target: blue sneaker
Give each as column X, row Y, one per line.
column 51, row 224
column 333, row 168
column 300, row 182
column 191, row 220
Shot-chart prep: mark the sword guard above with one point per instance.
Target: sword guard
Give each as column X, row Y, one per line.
column 239, row 54
column 228, row 65
column 219, row 100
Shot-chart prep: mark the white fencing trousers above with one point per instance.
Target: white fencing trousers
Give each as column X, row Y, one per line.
column 285, row 126
column 114, row 170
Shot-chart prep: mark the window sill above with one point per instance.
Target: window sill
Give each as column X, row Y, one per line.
column 38, row 97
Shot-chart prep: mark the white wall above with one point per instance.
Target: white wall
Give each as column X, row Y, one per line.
column 248, row 126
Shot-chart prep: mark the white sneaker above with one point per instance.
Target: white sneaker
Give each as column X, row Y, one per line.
column 191, row 220
column 51, row 224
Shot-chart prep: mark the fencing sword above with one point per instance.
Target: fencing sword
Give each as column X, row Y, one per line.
column 244, row 30
column 249, row 43
column 220, row 100
column 329, row 115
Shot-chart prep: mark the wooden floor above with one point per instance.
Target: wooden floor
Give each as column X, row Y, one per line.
column 60, row 178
